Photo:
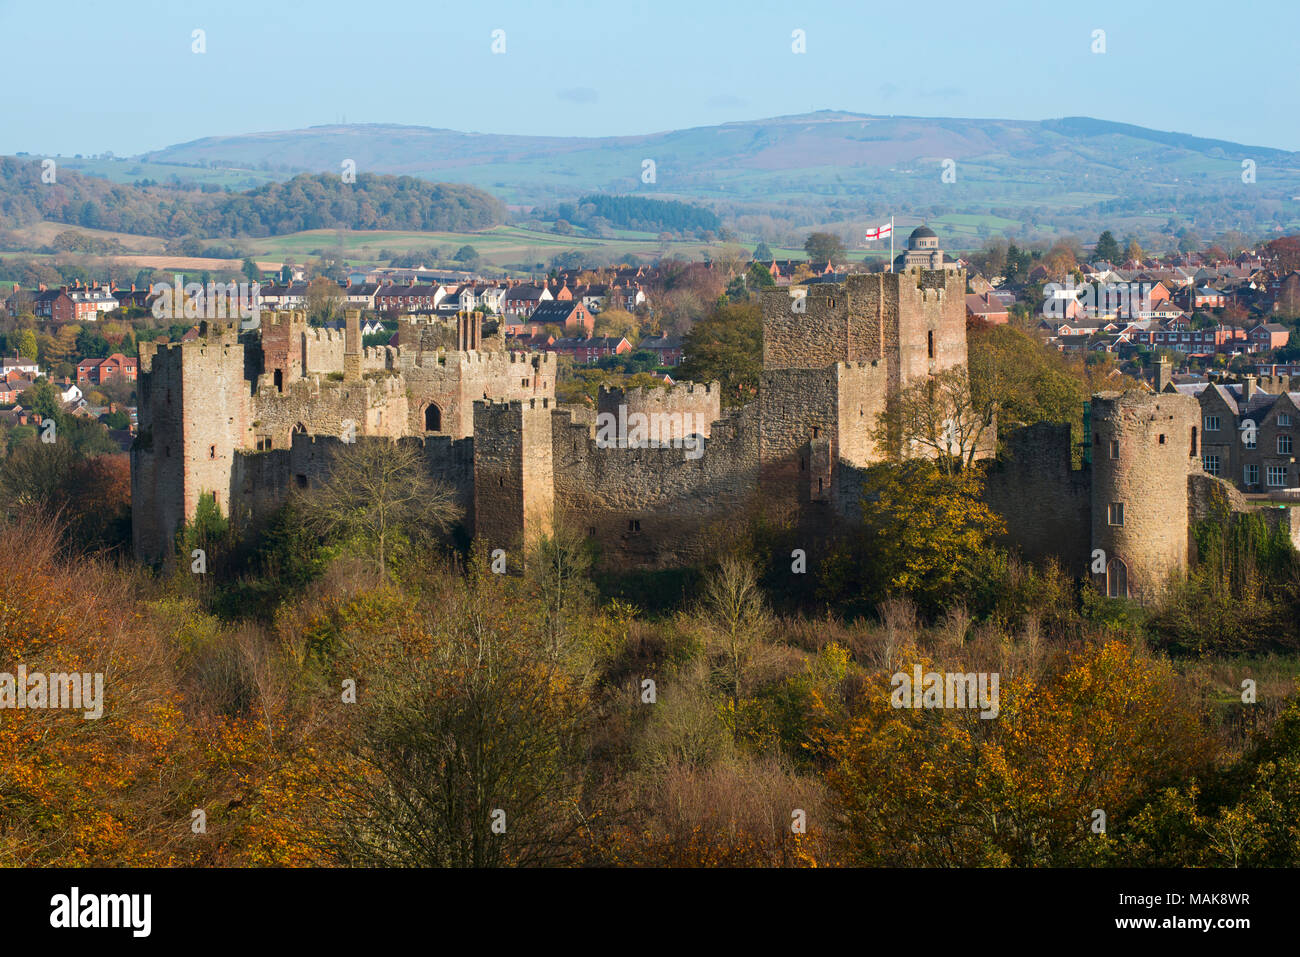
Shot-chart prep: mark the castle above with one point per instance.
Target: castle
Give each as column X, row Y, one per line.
column 249, row 417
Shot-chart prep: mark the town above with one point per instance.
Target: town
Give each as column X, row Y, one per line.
column 702, row 437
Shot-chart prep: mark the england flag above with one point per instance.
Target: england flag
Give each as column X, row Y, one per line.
column 880, row 232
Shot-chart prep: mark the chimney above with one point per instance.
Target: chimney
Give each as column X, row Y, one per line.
column 1249, row 386
column 1164, row 374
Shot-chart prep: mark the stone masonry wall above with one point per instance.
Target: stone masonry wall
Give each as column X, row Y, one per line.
column 653, row 506
column 669, row 406
column 1045, row 503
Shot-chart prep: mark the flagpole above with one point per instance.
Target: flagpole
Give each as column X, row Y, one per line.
column 891, row 243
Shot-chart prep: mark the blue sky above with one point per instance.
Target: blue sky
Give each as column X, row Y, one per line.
column 86, row 77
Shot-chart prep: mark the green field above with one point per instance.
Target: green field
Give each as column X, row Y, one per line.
column 499, row 245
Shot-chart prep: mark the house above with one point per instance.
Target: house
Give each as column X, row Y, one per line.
column 627, row 297
column 986, row 308
column 1268, row 335
column 11, row 389
column 99, row 371
column 668, row 348
column 1248, row 436
column 524, row 298
column 68, row 390
column 1206, row 297
column 19, row 364
column 133, row 298
column 360, row 295
column 488, row 295
column 587, row 351
column 411, row 297
column 572, row 316
column 291, row 295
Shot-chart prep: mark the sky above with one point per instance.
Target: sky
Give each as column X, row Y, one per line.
column 122, row 75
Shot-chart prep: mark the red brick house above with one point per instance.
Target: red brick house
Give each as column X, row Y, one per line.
column 587, row 351
column 523, row 299
column 1268, row 335
column 571, row 315
column 99, row 371
column 421, row 297
column 668, row 348
column 986, row 308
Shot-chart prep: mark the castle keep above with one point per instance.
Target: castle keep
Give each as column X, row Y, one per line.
column 249, row 417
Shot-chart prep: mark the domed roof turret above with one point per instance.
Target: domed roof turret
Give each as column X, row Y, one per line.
column 923, row 232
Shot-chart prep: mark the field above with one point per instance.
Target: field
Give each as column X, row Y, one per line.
column 500, row 245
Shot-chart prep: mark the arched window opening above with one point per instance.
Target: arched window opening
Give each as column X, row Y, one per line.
column 1116, row 579
column 432, row 418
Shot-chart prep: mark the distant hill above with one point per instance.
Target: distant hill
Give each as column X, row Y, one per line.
column 828, row 167
column 307, row 201
column 781, row 177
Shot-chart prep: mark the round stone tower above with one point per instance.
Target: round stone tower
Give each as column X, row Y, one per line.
column 1144, row 447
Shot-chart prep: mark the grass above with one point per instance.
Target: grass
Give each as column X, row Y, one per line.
column 499, row 245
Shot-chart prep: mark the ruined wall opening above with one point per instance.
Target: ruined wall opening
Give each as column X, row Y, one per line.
column 279, row 380
column 432, row 418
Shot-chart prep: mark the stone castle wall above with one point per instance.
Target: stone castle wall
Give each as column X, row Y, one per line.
column 671, row 405
column 1045, row 502
column 653, row 506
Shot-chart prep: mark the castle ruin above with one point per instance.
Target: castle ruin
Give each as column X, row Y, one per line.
column 249, row 417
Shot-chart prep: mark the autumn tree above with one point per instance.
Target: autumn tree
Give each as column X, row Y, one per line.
column 1014, row 376
column 618, row 323
column 727, row 345
column 467, row 745
column 379, row 498
column 733, row 604
column 945, row 787
column 943, row 417
column 324, row 299
column 824, row 247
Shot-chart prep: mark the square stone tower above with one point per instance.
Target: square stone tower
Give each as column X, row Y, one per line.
column 833, row 352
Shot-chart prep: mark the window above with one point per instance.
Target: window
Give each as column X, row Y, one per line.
column 1162, row 440
column 212, row 451
column 1211, row 464
column 433, row 419
column 1283, row 420
column 1276, row 476
column 1116, row 579
column 1284, row 445
column 930, row 342
column 1114, row 448
column 301, row 480
column 634, row 525
column 1250, row 475
column 1211, row 423
column 1115, row 513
